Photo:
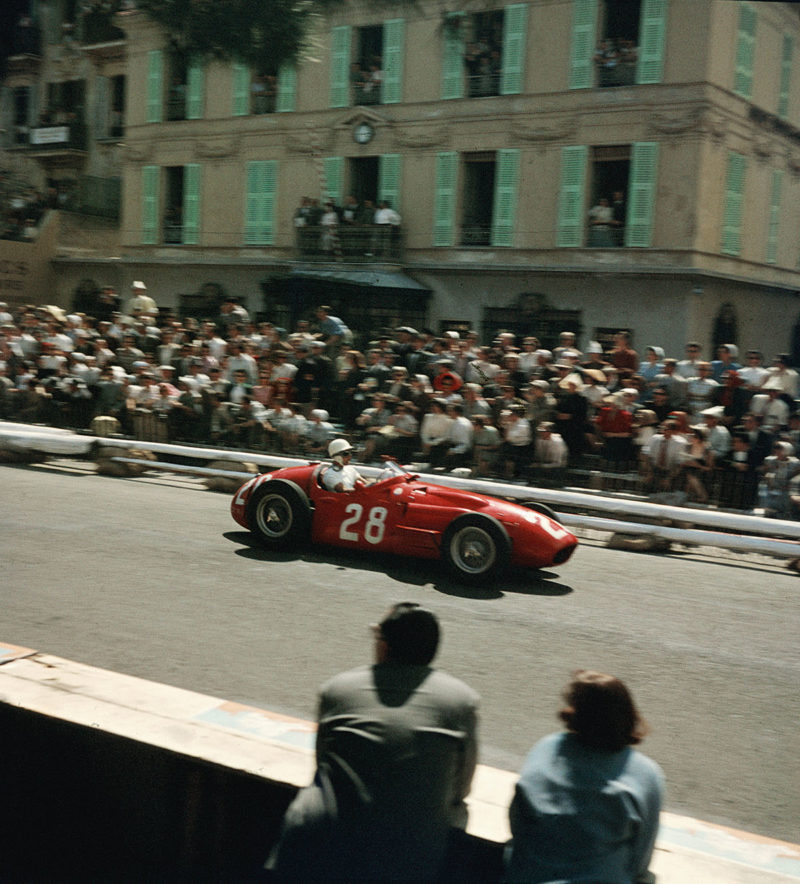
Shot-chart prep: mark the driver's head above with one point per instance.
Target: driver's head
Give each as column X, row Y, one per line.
column 340, row 450
column 408, row 634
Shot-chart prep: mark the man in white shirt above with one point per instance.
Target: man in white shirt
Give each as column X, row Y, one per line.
column 341, row 476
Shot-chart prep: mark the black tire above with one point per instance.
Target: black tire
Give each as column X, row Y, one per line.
column 476, row 548
column 279, row 515
column 542, row 508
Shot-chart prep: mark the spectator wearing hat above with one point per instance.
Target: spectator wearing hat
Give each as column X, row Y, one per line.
column 515, row 452
column 614, row 425
column 549, row 453
column 663, row 458
column 435, row 432
column 777, row 471
column 700, row 390
column 317, row 433
column 486, row 442
column 718, row 436
column 541, row 404
column 140, row 303
column 571, row 413
column 594, row 357
column 772, row 408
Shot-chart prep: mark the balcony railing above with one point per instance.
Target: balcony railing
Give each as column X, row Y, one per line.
column 369, row 243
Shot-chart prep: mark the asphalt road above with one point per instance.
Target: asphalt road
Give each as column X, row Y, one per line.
column 151, row 577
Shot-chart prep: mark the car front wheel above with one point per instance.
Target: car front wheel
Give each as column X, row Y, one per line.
column 476, row 548
column 278, row 513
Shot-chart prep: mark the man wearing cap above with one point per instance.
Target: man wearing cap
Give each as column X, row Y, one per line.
column 341, row 475
column 396, row 752
column 140, row 302
column 718, row 438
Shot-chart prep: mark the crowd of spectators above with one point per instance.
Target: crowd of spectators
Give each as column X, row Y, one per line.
column 711, row 431
column 21, row 208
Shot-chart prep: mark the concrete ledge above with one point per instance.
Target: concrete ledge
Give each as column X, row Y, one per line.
column 190, row 785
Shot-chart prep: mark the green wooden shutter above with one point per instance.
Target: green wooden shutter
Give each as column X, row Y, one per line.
column 453, row 56
column 445, row 198
column 241, row 89
column 389, row 179
column 34, row 101
column 151, row 178
column 394, row 32
column 642, row 184
column 191, row 204
column 341, row 40
column 101, row 106
column 155, row 86
column 570, row 197
column 745, row 51
column 515, row 38
column 195, row 87
column 505, row 197
column 786, row 75
column 732, row 212
column 774, row 217
column 581, row 64
column 6, row 116
column 287, row 89
column 652, row 31
column 334, row 178
column 259, row 223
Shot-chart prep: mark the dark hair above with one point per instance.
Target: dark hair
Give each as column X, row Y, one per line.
column 411, row 634
column 601, row 713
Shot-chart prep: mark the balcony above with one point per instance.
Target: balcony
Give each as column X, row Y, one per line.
column 58, row 147
column 373, row 243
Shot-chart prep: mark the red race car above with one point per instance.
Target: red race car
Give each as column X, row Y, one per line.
column 477, row 536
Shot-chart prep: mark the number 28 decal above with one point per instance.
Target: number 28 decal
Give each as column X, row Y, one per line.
column 373, row 528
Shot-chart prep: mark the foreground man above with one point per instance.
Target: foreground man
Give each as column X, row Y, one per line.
column 396, row 751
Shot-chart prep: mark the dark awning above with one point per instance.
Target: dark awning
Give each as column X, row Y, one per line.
column 367, row 278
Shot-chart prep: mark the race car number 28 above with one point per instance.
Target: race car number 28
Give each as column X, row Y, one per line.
column 373, row 529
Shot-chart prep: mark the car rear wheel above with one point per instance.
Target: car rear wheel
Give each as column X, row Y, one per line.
column 476, row 548
column 279, row 515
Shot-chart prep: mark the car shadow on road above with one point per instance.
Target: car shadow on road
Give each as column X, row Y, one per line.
column 412, row 572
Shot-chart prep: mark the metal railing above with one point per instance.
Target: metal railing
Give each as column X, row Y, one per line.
column 352, row 243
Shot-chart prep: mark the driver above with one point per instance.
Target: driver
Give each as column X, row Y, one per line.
column 341, row 476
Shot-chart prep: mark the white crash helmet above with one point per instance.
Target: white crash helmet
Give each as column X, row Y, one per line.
column 338, row 447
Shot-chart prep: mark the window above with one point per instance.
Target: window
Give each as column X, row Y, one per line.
column 183, row 97
column 786, row 76
column 109, row 106
column 21, row 114
column 263, row 92
column 621, row 199
column 262, row 182
column 774, row 217
column 185, row 90
column 745, row 51
column 484, row 53
column 488, row 198
column 732, row 211
column 617, row 42
column 177, row 219
column 367, row 64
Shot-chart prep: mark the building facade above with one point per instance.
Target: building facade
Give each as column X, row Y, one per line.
column 585, row 164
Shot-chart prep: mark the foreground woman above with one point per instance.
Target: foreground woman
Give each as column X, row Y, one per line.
column 586, row 805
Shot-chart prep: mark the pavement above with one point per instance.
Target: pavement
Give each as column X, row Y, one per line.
column 280, row 747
